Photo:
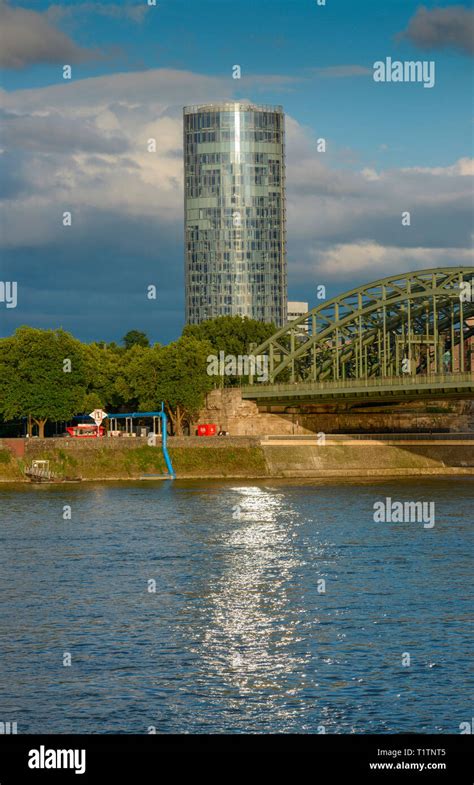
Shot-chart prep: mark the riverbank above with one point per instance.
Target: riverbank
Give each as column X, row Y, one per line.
column 339, row 455
column 125, row 459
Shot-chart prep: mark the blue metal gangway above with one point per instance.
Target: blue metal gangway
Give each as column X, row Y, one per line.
column 164, row 433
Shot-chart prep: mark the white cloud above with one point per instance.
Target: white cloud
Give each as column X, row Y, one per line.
column 83, row 146
column 370, row 174
column 86, row 148
column 140, row 92
column 464, row 167
column 372, row 260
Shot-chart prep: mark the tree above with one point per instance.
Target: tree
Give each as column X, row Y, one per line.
column 138, row 377
column 92, row 401
column 106, row 367
column 233, row 335
column 134, row 338
column 183, row 379
column 42, row 376
column 176, row 374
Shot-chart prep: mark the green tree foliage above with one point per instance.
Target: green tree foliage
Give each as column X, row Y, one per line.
column 138, row 380
column 233, row 335
column 176, row 374
column 42, row 376
column 106, row 374
column 49, row 375
column 184, row 380
column 135, row 338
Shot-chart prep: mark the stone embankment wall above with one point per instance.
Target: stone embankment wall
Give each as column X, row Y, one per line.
column 228, row 411
column 339, row 456
column 345, row 457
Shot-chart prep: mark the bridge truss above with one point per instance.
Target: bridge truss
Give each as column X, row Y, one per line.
column 418, row 323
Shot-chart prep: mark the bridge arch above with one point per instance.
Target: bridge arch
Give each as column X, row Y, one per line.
column 416, row 323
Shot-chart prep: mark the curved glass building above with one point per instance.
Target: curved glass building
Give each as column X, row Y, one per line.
column 234, row 193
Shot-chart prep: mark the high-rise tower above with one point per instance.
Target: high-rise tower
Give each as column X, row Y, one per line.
column 234, row 193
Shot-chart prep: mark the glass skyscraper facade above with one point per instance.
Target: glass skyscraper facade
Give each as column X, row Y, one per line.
column 235, row 234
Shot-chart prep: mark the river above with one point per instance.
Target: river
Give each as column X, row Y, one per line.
column 234, row 606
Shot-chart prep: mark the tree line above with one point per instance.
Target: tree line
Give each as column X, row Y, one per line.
column 49, row 375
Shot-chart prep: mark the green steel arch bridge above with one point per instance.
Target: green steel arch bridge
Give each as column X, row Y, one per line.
column 408, row 336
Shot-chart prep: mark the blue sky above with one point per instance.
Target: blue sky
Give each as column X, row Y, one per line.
column 79, row 145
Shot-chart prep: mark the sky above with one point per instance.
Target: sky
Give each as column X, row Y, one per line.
column 79, row 145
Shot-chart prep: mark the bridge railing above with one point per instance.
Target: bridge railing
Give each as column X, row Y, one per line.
column 425, row 380
column 433, row 435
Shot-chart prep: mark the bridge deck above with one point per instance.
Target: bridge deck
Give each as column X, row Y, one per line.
column 395, row 388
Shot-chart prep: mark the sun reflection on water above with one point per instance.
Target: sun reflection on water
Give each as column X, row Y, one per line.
column 250, row 640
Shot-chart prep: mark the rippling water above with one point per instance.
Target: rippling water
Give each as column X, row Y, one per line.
column 236, row 637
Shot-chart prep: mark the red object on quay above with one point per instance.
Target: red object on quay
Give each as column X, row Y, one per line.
column 207, row 429
column 87, row 431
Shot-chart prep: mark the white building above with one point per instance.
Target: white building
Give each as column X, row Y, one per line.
column 295, row 310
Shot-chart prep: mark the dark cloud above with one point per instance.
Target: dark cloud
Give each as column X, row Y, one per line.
column 13, row 182
column 442, row 28
column 92, row 279
column 28, row 37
